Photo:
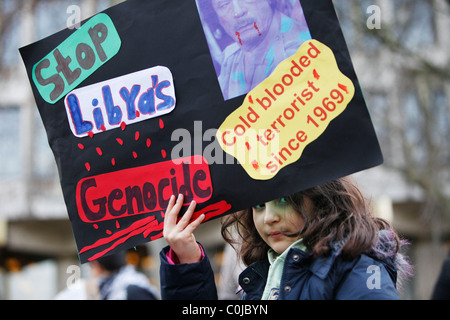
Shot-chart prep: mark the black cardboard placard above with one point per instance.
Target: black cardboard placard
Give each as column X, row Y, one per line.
column 99, row 172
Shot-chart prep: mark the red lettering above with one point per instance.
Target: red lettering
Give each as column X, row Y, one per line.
column 143, row 189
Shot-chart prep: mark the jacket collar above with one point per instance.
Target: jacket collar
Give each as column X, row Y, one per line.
column 320, row 266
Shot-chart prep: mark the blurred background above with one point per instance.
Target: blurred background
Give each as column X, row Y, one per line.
column 400, row 50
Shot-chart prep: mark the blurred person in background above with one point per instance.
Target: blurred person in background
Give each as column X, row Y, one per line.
column 119, row 281
column 442, row 287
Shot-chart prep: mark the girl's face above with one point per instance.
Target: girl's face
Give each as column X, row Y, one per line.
column 275, row 221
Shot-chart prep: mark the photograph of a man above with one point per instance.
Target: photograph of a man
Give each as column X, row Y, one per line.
column 249, row 38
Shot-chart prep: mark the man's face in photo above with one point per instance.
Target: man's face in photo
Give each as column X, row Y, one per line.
column 248, row 20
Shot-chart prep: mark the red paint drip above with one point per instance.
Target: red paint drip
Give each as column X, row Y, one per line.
column 123, row 125
column 123, row 239
column 163, row 153
column 136, row 136
column 150, row 225
column 117, row 224
column 149, row 143
column 239, row 38
column 80, row 146
column 91, row 134
column 88, row 166
column 247, row 145
column 122, row 236
column 99, row 151
column 95, row 226
column 250, row 99
column 159, row 235
column 102, row 127
column 108, row 232
column 315, row 74
column 137, row 114
column 343, row 87
column 255, row 164
column 135, row 226
column 134, row 154
column 161, row 124
column 213, row 210
column 256, row 27
column 120, row 141
column 148, row 231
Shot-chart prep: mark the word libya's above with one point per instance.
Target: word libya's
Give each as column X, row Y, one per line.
column 127, row 99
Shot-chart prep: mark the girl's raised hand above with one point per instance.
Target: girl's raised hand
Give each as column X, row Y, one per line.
column 179, row 235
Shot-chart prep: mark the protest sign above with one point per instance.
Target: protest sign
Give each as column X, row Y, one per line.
column 153, row 98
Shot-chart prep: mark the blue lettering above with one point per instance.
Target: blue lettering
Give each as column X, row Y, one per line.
column 147, row 102
column 113, row 112
column 168, row 100
column 81, row 126
column 129, row 98
column 98, row 117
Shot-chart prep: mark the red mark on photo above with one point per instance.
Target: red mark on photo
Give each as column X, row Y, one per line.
column 161, row 124
column 80, row 146
column 255, row 164
column 99, row 151
column 123, row 125
column 163, row 153
column 136, row 136
column 113, row 161
column 91, row 134
column 239, row 37
column 88, row 166
column 256, row 27
column 119, row 141
column 135, row 155
column 149, row 142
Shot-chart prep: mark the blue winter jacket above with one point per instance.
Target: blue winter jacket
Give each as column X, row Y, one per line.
column 304, row 277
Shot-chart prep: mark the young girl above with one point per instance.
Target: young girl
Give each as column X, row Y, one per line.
column 321, row 243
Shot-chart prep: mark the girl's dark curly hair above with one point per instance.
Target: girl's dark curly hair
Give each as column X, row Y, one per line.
column 339, row 214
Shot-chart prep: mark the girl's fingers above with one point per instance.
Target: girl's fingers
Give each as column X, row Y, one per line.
column 194, row 224
column 170, row 217
column 171, row 220
column 184, row 220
